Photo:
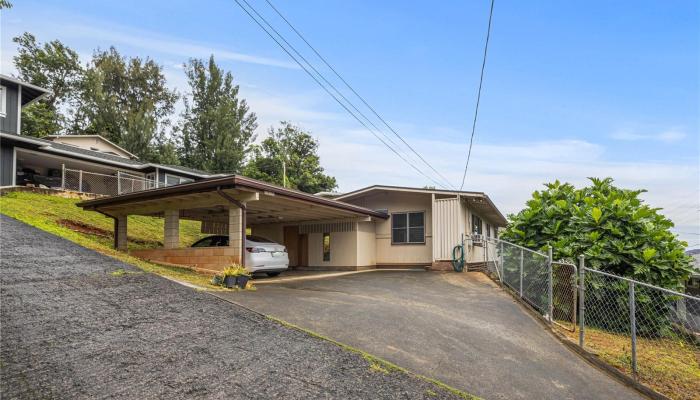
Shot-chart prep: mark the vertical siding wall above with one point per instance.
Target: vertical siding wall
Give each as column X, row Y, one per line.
column 7, row 161
column 448, row 227
column 9, row 122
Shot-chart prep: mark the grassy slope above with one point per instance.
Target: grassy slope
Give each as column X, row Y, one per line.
column 668, row 366
column 60, row 216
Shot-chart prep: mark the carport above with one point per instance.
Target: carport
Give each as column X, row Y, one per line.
column 229, row 205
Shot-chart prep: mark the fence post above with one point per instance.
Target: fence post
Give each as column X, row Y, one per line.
column 522, row 256
column 80, row 181
column 119, row 182
column 63, row 176
column 633, row 329
column 550, row 284
column 581, row 299
column 500, row 263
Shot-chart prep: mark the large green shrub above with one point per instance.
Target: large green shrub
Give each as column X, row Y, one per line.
column 612, row 227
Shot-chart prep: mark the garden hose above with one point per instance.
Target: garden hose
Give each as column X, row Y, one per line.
column 458, row 261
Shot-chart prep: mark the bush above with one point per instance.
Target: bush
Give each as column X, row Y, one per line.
column 611, row 227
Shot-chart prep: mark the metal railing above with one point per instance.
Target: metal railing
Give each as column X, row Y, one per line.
column 109, row 185
column 637, row 327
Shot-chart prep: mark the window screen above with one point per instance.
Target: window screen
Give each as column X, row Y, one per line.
column 326, row 247
column 408, row 227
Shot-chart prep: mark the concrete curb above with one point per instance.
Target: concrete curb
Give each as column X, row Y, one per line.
column 329, row 275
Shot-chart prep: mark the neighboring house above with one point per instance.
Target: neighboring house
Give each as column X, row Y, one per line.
column 379, row 226
column 693, row 284
column 84, row 163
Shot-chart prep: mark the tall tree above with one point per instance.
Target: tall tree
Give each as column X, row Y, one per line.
column 292, row 149
column 52, row 66
column 218, row 127
column 5, row 4
column 127, row 101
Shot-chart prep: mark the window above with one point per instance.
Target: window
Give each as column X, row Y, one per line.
column 3, row 101
column 477, row 228
column 326, row 246
column 408, row 227
column 171, row 180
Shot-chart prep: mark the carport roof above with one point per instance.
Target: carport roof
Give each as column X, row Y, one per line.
column 273, row 204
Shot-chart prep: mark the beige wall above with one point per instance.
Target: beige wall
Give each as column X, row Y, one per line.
column 343, row 250
column 269, row 231
column 366, row 244
column 91, row 142
column 386, row 253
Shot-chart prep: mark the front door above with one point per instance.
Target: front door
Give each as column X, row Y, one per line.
column 291, row 242
column 303, row 250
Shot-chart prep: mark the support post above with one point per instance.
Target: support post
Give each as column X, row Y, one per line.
column 63, row 176
column 581, row 300
column 550, row 284
column 500, row 263
column 633, row 329
column 80, row 181
column 120, row 233
column 119, row 182
column 522, row 258
column 171, row 229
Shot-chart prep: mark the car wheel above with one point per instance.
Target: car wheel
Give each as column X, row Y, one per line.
column 272, row 274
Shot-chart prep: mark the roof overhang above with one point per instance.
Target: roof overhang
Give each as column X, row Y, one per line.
column 30, row 93
column 209, row 199
column 478, row 201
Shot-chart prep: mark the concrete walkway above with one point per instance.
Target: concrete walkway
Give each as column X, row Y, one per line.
column 458, row 328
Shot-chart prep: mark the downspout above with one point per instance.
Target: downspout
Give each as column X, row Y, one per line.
column 243, row 208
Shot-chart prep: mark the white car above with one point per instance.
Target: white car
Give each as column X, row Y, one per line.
column 261, row 255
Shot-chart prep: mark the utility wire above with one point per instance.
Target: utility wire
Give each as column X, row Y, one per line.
column 320, row 75
column 357, row 94
column 478, row 96
column 326, row 89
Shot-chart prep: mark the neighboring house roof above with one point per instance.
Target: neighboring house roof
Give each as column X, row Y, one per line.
column 30, row 93
column 57, row 138
column 98, row 156
column 475, row 197
column 227, row 182
column 695, row 253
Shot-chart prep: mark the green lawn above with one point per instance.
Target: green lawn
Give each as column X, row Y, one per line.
column 60, row 215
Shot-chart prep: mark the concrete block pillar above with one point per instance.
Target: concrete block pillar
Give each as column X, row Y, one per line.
column 120, row 230
column 235, row 232
column 171, row 237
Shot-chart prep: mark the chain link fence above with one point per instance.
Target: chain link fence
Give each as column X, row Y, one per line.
column 109, row 185
column 546, row 286
column 647, row 332
column 650, row 333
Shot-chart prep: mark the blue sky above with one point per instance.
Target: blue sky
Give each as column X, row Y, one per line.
column 571, row 90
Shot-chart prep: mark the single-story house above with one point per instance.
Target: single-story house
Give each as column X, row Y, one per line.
column 378, row 226
column 84, row 163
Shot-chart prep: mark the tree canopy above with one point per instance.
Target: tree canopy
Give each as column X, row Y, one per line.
column 291, row 148
column 218, row 127
column 125, row 100
column 52, row 66
column 612, row 227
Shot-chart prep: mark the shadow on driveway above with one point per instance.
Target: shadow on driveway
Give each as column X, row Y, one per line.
column 459, row 328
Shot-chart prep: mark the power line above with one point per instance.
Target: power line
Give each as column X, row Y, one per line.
column 478, row 96
column 355, row 92
column 320, row 75
column 326, row 89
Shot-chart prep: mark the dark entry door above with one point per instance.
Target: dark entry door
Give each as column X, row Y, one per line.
column 303, row 250
column 291, row 242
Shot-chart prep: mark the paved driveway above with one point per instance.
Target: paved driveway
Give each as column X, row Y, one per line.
column 71, row 329
column 459, row 328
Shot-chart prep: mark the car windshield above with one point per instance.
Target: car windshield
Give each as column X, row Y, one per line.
column 258, row 239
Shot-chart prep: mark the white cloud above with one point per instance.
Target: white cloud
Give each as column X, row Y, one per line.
column 668, row 136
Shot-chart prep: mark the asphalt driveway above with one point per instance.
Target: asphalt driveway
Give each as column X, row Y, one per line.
column 458, row 328
column 79, row 325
